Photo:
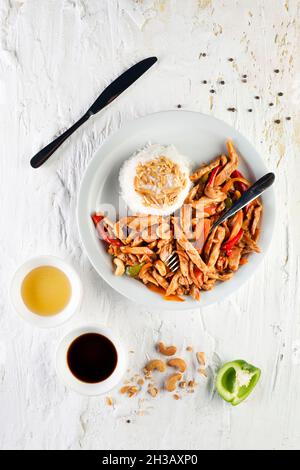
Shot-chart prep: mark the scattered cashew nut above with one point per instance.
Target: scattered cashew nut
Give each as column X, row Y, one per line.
column 161, row 267
column 201, row 358
column 178, row 363
column 171, row 381
column 156, row 364
column 166, row 350
column 120, row 267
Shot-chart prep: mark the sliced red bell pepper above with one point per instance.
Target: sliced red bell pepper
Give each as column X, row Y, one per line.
column 97, row 219
column 242, row 187
column 213, row 175
column 227, row 246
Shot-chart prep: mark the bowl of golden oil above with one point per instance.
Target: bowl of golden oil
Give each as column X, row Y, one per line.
column 46, row 291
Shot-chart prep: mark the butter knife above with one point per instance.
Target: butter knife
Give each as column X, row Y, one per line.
column 107, row 96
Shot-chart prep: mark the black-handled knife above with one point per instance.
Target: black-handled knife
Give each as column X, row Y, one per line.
column 107, row 96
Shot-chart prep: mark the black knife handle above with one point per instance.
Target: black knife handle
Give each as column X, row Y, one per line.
column 46, row 152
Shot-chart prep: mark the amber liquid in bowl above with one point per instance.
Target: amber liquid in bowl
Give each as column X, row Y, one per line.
column 46, row 290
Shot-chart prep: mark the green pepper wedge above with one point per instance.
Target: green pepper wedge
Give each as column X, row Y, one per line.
column 236, row 380
column 134, row 270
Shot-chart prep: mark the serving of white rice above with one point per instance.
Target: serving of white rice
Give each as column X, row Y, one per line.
column 128, row 172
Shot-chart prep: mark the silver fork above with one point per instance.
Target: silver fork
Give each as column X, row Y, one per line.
column 252, row 193
column 172, row 261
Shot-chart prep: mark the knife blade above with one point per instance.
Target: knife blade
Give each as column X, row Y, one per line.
column 109, row 94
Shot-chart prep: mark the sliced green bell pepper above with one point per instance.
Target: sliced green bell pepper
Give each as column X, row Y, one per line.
column 134, row 270
column 236, row 380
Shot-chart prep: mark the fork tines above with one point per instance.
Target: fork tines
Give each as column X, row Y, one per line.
column 172, row 262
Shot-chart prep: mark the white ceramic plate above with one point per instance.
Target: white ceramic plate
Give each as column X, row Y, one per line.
column 199, row 137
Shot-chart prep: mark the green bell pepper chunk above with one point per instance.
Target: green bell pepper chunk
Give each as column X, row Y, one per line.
column 134, row 270
column 236, row 380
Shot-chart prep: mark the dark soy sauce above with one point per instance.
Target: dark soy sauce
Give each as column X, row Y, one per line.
column 92, row 357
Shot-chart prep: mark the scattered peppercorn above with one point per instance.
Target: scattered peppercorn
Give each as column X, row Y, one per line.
column 230, row 59
column 244, row 80
column 280, row 93
column 245, row 76
column 276, row 70
column 231, row 109
column 222, row 82
column 277, row 121
column 271, row 104
column 128, row 421
column 179, row 106
column 257, row 97
column 202, row 54
column 249, row 110
column 212, row 91
column 205, row 82
column 288, row 118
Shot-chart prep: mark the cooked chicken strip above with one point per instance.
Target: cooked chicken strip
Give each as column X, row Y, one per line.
column 215, row 251
column 205, row 169
column 173, row 284
column 225, row 173
column 256, row 217
column 234, row 258
column 161, row 280
column 189, row 248
column 183, row 260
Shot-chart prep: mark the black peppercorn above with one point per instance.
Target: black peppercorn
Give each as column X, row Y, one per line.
column 249, row 110
column 276, row 70
column 245, row 76
column 280, row 93
column 179, row 106
column 257, row 97
column 271, row 104
column 212, row 91
column 205, row 82
column 288, row 118
column 277, row 121
column 230, row 59
column 222, row 82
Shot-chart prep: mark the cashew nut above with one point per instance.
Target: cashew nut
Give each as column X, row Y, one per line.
column 166, row 350
column 120, row 267
column 201, row 358
column 171, row 381
column 161, row 267
column 178, row 363
column 156, row 364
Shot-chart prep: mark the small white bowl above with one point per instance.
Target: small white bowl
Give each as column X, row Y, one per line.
column 77, row 385
column 51, row 320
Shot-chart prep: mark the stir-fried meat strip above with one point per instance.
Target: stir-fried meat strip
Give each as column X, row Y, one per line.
column 232, row 165
column 189, row 248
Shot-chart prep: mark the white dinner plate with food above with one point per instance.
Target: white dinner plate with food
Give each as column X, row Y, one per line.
column 199, row 139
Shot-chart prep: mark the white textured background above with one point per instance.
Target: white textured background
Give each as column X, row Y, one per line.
column 55, row 57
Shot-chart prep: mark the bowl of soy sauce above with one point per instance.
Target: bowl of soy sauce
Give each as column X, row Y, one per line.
column 91, row 360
